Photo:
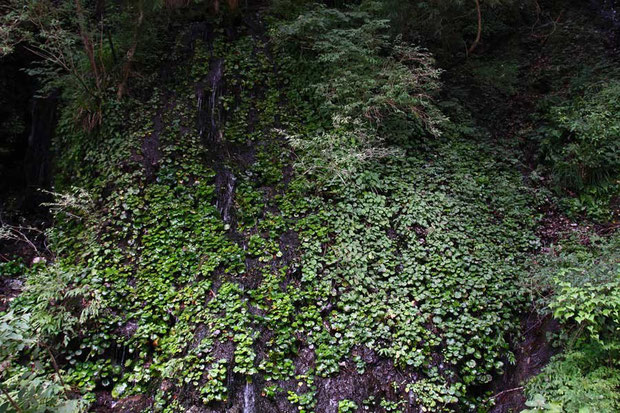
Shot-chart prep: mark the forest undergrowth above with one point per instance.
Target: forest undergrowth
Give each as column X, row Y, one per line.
column 308, row 215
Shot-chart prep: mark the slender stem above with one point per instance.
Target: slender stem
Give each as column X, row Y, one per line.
column 109, row 35
column 55, row 365
column 10, row 399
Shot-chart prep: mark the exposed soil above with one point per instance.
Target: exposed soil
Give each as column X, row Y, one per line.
column 150, row 149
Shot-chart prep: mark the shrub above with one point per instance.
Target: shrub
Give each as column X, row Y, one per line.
column 581, row 143
column 584, row 380
column 586, row 284
column 49, row 312
column 450, row 27
column 362, row 82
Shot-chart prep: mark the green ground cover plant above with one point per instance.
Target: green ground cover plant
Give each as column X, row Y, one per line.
column 296, row 205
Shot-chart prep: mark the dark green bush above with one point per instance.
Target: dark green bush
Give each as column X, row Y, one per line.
column 581, row 144
column 365, row 84
column 586, row 285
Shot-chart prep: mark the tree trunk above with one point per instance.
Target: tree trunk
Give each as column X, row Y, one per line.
column 87, row 43
column 99, row 9
column 130, row 53
column 479, row 34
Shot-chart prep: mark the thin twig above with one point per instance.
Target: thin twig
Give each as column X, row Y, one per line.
column 15, row 233
column 555, row 26
column 610, row 228
column 536, row 324
column 506, row 391
column 538, row 12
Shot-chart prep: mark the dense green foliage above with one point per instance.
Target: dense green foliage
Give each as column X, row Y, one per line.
column 582, row 145
column 586, row 281
column 576, row 130
column 306, row 215
column 366, row 86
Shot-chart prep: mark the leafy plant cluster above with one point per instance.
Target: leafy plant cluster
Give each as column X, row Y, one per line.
column 365, row 85
column 45, row 316
column 412, row 274
column 585, row 281
column 581, row 144
column 576, row 126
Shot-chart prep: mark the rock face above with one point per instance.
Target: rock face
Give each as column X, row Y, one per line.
column 249, row 398
column 137, row 403
column 16, row 91
column 38, row 159
column 209, row 118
